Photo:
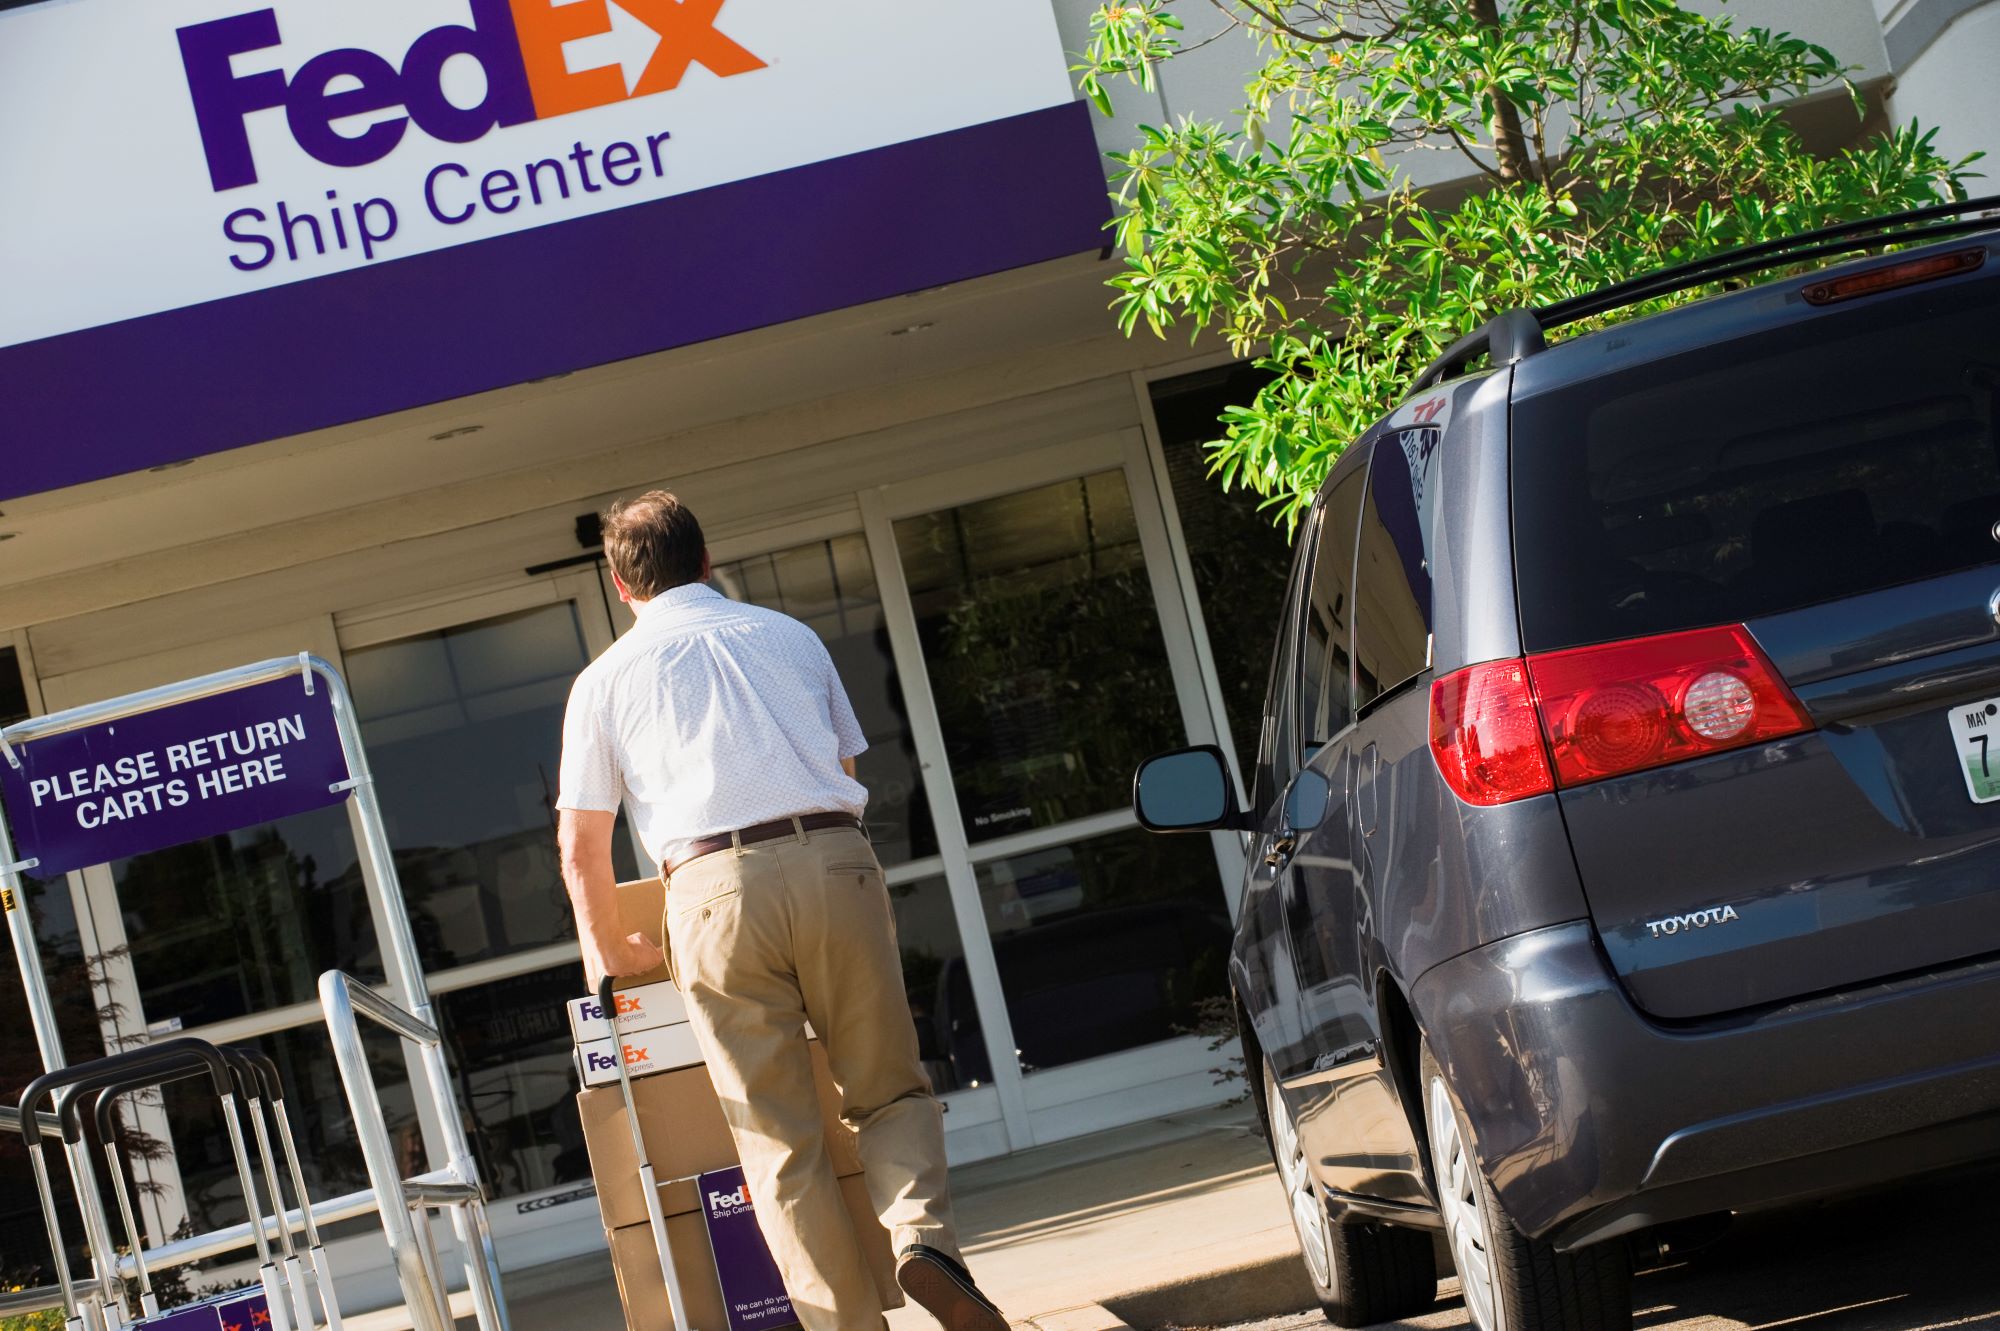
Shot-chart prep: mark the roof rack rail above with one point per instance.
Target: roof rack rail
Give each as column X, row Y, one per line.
column 1830, row 240
column 1515, row 335
column 1518, row 334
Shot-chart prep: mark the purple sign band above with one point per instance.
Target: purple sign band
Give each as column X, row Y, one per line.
column 166, row 777
column 753, row 1292
column 557, row 298
column 246, row 1310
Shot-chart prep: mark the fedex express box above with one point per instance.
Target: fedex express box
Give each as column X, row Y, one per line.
column 661, row 1049
column 640, row 1009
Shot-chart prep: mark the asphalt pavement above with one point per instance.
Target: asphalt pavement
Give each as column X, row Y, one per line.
column 1918, row 1258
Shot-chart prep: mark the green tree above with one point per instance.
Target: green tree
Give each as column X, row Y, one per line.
column 1596, row 139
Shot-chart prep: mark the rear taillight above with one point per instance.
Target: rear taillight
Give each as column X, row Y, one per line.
column 1484, row 736
column 1605, row 711
column 1626, row 706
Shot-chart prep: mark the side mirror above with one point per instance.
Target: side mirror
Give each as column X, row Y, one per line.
column 1186, row 790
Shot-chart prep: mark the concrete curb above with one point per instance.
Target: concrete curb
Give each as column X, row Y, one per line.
column 1085, row 1317
column 1265, row 1287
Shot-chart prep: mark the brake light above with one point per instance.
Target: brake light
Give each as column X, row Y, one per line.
column 1627, row 706
column 1890, row 276
column 1484, row 736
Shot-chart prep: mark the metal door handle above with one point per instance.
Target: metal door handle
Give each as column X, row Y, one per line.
column 1280, row 851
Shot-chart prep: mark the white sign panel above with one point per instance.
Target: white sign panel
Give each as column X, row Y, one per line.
column 157, row 154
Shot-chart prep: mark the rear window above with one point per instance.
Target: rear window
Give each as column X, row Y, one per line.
column 1849, row 452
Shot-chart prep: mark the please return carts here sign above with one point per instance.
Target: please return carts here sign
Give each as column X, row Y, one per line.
column 162, row 778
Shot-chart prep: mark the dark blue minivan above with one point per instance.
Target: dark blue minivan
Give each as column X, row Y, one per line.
column 1625, row 831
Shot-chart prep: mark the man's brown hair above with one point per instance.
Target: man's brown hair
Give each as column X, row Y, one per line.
column 654, row 543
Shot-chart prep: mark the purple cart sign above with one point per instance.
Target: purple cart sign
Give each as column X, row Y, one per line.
column 247, row 1310
column 752, row 1289
column 162, row 778
column 199, row 1317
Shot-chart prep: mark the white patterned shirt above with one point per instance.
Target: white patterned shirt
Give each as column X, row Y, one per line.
column 708, row 716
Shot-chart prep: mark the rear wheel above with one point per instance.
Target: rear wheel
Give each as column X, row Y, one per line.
column 1362, row 1273
column 1511, row 1282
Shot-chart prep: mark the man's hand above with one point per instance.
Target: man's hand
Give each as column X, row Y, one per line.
column 631, row 955
column 584, row 838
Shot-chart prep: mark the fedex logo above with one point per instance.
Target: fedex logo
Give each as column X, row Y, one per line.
column 736, row 1199
column 519, row 45
column 625, row 1003
column 599, row 1062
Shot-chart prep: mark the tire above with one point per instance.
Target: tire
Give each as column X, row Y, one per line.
column 1511, row 1282
column 1363, row 1273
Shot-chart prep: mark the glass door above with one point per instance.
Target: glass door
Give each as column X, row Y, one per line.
column 1055, row 655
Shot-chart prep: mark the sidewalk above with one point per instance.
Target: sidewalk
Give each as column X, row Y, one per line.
column 1178, row 1221
column 1174, row 1222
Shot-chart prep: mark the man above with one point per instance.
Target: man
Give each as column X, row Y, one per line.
column 725, row 731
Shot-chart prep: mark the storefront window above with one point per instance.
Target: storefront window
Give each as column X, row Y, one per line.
column 1240, row 557
column 317, row 1108
column 1105, row 944
column 464, row 733
column 1044, row 651
column 508, row 1044
column 245, row 921
column 830, row 585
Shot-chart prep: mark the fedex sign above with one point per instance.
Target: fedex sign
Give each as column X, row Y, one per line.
column 518, row 46
column 663, row 170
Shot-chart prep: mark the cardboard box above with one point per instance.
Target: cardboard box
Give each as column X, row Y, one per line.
column 662, row 1049
column 637, row 1265
column 685, row 1133
column 642, row 909
column 640, row 1008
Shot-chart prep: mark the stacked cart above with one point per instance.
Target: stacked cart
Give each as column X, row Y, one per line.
column 303, row 700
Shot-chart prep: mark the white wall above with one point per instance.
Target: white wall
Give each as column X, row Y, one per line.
column 1207, row 83
column 1952, row 81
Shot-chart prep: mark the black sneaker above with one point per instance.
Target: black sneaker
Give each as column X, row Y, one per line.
column 944, row 1289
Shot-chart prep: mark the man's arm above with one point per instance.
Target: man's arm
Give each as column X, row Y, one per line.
column 583, row 837
column 847, row 766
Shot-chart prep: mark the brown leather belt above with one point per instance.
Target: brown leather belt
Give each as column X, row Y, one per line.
column 771, row 831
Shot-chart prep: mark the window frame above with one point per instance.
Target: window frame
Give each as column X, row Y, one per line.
column 1386, row 695
column 1362, row 471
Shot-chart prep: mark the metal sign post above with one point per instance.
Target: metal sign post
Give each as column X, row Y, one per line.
column 200, row 758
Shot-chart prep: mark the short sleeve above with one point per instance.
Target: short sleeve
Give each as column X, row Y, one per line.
column 845, row 728
column 589, row 779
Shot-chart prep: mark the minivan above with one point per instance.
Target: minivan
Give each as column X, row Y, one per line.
column 1624, row 832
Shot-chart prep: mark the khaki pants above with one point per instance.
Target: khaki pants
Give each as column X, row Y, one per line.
column 763, row 938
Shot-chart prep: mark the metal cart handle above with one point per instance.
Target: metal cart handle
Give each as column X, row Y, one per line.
column 607, row 1003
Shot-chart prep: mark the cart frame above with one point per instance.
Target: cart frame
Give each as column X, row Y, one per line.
column 451, row 1183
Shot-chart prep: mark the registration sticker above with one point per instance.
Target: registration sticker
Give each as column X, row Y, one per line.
column 1976, row 728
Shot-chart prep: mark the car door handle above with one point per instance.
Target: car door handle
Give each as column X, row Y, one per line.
column 1280, row 851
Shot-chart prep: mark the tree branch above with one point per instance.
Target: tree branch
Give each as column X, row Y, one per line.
column 1510, row 146
column 1465, row 148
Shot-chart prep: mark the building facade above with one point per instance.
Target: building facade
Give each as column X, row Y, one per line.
column 330, row 328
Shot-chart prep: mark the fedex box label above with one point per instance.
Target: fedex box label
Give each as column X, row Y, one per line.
column 661, row 1049
column 752, row 1290
column 639, row 1009
column 163, row 154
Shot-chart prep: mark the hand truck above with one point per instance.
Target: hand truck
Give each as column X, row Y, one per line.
column 648, row 1182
